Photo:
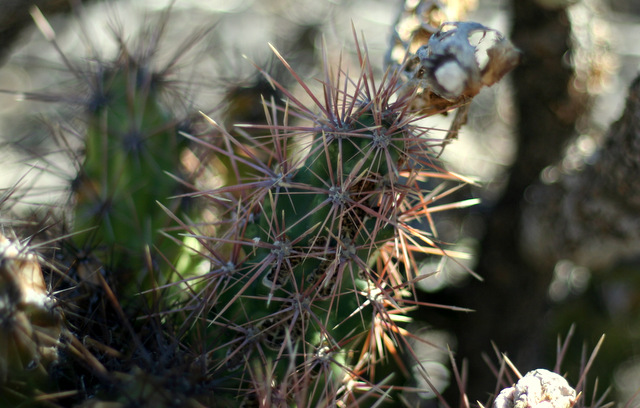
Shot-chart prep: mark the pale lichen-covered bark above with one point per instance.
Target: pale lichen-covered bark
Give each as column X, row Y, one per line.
column 591, row 216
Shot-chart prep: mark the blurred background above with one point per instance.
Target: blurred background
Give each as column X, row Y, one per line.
column 526, row 136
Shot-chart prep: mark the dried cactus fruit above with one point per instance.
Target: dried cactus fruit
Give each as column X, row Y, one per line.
column 438, row 62
column 446, row 72
column 538, row 389
column 417, row 21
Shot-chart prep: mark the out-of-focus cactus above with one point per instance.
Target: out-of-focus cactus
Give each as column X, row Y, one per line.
column 117, row 251
column 127, row 114
column 132, row 148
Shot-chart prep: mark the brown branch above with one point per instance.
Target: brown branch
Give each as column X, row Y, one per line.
column 512, row 298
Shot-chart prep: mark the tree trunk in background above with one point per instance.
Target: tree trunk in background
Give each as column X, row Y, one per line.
column 511, row 302
column 589, row 219
column 591, row 216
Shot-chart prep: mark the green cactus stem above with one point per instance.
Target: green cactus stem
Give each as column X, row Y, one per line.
column 323, row 244
column 132, row 148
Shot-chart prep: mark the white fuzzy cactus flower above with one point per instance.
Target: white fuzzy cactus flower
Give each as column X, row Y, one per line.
column 538, row 389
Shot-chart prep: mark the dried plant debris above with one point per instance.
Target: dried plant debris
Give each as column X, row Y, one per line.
column 31, row 323
column 418, row 20
column 538, row 389
column 443, row 65
column 450, row 69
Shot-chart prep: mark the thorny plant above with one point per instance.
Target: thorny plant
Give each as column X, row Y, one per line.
column 310, row 241
column 311, row 232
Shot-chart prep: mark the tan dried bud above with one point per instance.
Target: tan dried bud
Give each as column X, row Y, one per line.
column 32, row 325
column 503, row 57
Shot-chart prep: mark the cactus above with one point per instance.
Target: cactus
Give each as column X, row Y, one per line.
column 116, row 253
column 131, row 145
column 323, row 241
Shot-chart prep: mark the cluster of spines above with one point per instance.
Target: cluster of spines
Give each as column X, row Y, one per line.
column 320, row 261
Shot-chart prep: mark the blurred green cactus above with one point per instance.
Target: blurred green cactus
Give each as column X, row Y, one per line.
column 132, row 148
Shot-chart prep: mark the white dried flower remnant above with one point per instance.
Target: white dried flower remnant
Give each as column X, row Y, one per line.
column 451, row 77
column 538, row 389
column 457, row 61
